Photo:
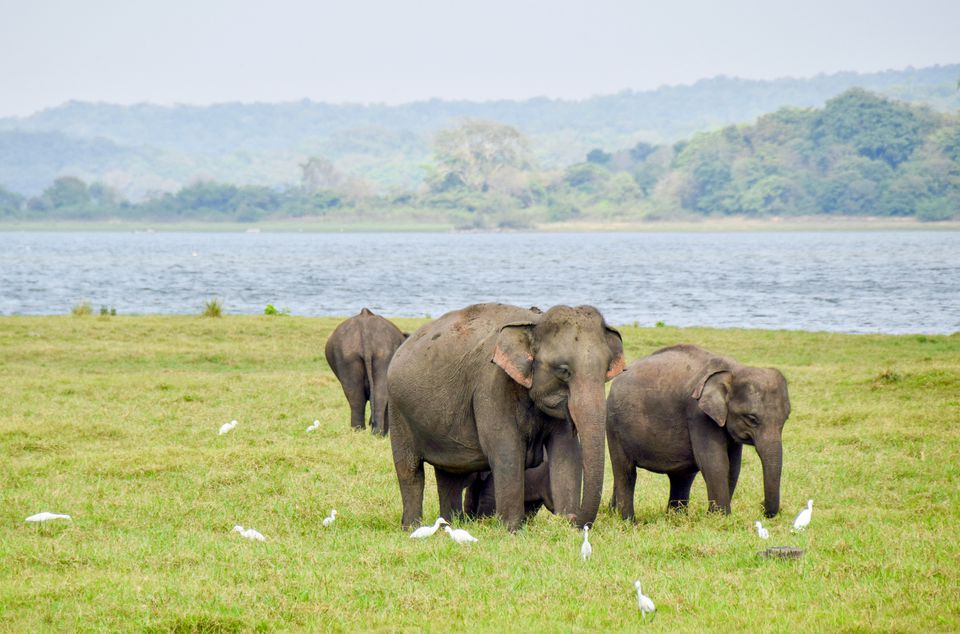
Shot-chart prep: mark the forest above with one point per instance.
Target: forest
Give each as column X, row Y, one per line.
column 861, row 154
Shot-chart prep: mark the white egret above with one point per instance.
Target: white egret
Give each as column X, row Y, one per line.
column 46, row 516
column 327, row 521
column 427, row 531
column 459, row 535
column 803, row 518
column 586, row 549
column 249, row 533
column 316, row 424
column 761, row 531
column 646, row 603
column 227, row 427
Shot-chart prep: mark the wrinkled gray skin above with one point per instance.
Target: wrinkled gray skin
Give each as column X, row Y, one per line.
column 489, row 387
column 683, row 410
column 479, row 500
column 359, row 351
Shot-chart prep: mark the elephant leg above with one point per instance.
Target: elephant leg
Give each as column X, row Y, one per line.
column 450, row 491
column 734, row 455
column 565, row 469
column 680, row 484
column 710, row 451
column 409, row 466
column 471, row 496
column 354, row 388
column 624, row 479
column 504, row 448
column 508, row 491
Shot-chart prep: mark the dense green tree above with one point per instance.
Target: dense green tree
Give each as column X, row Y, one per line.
column 66, row 191
column 11, row 203
column 877, row 128
column 598, row 156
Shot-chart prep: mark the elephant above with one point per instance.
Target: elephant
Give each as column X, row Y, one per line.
column 490, row 387
column 359, row 351
column 479, row 498
column 684, row 410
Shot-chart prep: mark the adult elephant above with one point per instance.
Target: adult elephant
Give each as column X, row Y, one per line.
column 489, row 387
column 684, row 410
column 359, row 351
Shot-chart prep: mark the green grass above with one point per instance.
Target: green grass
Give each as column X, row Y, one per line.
column 115, row 422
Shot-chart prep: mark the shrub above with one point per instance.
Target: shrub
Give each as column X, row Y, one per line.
column 272, row 310
column 81, row 309
column 213, row 308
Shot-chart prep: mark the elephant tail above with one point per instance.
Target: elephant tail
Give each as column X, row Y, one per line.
column 376, row 393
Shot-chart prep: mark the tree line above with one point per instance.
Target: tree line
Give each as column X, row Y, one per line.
column 861, row 154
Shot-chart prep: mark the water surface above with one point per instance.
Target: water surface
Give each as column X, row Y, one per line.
column 890, row 282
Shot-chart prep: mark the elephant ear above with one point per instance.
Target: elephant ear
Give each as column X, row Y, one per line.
column 617, row 362
column 514, row 352
column 712, row 395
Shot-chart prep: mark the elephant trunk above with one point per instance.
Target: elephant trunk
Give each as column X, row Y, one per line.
column 771, row 456
column 588, row 411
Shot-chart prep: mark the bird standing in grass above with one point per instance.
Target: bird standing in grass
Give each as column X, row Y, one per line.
column 646, row 603
column 227, row 427
column 46, row 516
column 327, row 521
column 316, row 424
column 249, row 533
column 803, row 518
column 586, row 549
column 459, row 535
column 427, row 531
column 761, row 531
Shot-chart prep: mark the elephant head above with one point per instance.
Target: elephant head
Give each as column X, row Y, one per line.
column 564, row 358
column 752, row 404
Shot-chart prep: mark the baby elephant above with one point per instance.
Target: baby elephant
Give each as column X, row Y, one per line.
column 683, row 410
column 479, row 500
column 359, row 351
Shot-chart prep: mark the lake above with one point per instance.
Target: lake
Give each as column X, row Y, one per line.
column 856, row 282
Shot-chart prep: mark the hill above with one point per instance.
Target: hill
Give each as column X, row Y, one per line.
column 265, row 144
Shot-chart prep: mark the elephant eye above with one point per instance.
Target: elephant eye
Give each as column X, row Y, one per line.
column 562, row 372
column 751, row 419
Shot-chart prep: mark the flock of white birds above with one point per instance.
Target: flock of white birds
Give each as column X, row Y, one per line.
column 461, row 536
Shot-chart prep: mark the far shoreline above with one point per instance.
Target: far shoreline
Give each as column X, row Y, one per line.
column 706, row 225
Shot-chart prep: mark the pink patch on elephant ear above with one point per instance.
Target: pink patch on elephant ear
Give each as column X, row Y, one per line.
column 617, row 366
column 515, row 373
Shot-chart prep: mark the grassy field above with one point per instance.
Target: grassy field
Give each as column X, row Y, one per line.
column 114, row 421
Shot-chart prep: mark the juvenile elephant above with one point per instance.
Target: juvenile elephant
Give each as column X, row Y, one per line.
column 479, row 501
column 489, row 387
column 359, row 351
column 683, row 410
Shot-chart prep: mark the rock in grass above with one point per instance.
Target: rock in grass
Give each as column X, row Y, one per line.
column 782, row 552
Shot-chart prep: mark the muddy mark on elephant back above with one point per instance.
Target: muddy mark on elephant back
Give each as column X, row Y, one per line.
column 463, row 328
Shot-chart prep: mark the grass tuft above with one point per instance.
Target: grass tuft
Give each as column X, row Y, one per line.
column 213, row 308
column 81, row 309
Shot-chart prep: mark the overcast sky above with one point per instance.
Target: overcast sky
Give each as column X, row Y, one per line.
column 201, row 52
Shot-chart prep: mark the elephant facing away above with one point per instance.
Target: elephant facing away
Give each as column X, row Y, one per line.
column 684, row 410
column 359, row 351
column 490, row 387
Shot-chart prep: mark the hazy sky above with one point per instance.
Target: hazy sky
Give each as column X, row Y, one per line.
column 200, row 52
